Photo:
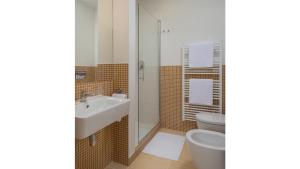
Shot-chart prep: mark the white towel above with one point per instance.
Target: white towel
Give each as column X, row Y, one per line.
column 201, row 91
column 201, row 54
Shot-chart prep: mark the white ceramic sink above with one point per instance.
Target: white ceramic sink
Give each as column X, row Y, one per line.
column 98, row 112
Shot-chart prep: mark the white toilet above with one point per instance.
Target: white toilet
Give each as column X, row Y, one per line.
column 207, row 143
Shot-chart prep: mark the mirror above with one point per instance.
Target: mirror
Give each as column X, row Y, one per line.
column 93, row 36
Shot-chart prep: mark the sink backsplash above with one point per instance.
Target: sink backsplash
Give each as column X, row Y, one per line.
column 89, row 73
column 96, row 87
column 117, row 73
column 102, row 79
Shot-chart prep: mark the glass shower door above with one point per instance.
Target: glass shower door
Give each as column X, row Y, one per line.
column 149, row 66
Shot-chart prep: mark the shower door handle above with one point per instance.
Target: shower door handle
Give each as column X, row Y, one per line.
column 141, row 69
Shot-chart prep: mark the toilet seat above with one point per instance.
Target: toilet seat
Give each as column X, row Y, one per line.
column 208, row 139
column 211, row 118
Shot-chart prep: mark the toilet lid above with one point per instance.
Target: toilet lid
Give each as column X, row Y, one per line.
column 212, row 118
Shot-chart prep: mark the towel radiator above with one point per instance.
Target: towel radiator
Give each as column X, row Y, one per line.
column 189, row 111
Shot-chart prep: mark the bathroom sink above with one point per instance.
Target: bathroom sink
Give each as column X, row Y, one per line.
column 98, row 112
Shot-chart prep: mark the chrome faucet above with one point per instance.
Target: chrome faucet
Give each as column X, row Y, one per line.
column 84, row 95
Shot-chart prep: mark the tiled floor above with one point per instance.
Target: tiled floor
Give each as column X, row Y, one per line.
column 146, row 161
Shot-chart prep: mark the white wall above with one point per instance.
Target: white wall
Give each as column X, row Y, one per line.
column 120, row 31
column 132, row 75
column 105, row 21
column 189, row 21
column 85, row 35
column 109, row 34
column 113, row 41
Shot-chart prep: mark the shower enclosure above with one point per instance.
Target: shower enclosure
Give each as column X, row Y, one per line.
column 149, row 67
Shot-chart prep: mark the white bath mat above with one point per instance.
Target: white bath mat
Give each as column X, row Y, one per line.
column 165, row 145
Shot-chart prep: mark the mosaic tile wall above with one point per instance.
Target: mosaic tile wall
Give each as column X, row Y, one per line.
column 224, row 89
column 90, row 73
column 121, row 77
column 117, row 73
column 120, row 141
column 112, row 145
column 96, row 87
column 171, row 98
column 97, row 157
column 104, row 72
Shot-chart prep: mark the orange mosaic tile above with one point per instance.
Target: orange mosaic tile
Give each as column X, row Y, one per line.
column 97, row 157
column 112, row 145
column 171, row 98
column 120, row 141
column 117, row 73
column 96, row 87
column 120, row 77
column 104, row 72
column 90, row 73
